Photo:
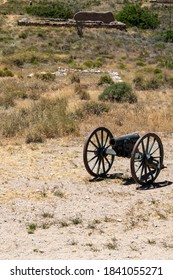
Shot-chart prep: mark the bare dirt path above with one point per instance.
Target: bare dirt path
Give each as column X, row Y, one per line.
column 50, row 209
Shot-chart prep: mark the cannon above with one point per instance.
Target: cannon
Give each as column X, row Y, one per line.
column 145, row 153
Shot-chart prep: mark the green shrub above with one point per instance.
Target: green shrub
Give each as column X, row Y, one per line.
column 32, row 228
column 106, row 79
column 166, row 36
column 93, row 64
column 135, row 15
column 140, row 63
column 52, row 10
column 166, row 62
column 157, row 71
column 59, row 9
column 119, row 92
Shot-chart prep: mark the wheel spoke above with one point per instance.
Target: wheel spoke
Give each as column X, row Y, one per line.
column 139, row 167
column 107, row 146
column 92, row 158
column 98, row 141
column 107, row 137
column 103, row 165
column 98, row 168
column 138, row 160
column 155, row 150
column 157, row 157
column 93, row 144
column 108, row 161
column 91, row 151
column 151, row 172
column 141, row 172
column 94, row 165
column 148, row 139
column 143, row 147
column 102, row 138
column 145, row 167
column 152, row 145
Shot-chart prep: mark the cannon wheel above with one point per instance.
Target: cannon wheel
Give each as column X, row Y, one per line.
column 97, row 162
column 147, row 159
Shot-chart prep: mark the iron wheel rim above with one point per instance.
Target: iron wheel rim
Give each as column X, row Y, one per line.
column 147, row 159
column 96, row 161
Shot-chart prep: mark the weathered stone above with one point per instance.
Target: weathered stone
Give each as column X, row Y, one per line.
column 105, row 17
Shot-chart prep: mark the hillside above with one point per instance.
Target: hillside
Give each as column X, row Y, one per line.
column 50, row 83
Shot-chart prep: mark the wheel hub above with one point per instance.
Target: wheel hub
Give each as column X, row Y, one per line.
column 100, row 152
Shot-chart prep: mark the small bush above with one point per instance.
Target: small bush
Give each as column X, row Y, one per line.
column 135, row 15
column 93, row 64
column 167, row 63
column 23, row 35
column 33, row 137
column 106, row 79
column 92, row 108
column 74, row 78
column 32, row 228
column 83, row 94
column 152, row 83
column 46, row 76
column 139, row 83
column 7, row 100
column 157, row 71
column 119, row 92
column 140, row 63
column 170, row 82
column 50, row 118
column 166, row 36
column 6, row 73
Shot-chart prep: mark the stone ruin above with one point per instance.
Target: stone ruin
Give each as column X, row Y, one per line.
column 105, row 17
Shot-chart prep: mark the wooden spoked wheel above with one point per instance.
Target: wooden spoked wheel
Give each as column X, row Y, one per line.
column 147, row 159
column 97, row 156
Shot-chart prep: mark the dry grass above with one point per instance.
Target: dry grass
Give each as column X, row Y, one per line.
column 152, row 112
column 132, row 54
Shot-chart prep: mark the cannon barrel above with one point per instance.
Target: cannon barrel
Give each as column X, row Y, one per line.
column 125, row 138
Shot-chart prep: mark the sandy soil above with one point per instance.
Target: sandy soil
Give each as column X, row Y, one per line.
column 51, row 209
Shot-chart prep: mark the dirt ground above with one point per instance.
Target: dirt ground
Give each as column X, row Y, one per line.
column 52, row 209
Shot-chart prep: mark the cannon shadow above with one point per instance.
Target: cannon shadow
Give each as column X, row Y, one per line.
column 129, row 181
column 107, row 177
column 156, row 185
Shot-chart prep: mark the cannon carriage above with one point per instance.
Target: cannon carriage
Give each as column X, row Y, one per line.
column 145, row 153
